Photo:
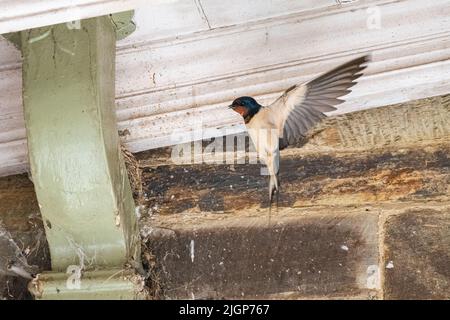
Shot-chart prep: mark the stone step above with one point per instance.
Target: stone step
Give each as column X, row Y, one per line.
column 302, row 253
column 307, row 252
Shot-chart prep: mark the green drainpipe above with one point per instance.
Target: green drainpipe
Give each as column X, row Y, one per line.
column 76, row 165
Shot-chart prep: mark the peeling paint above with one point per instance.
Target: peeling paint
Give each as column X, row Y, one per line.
column 41, row 37
column 65, row 50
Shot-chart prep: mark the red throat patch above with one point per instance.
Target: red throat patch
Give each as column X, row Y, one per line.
column 241, row 110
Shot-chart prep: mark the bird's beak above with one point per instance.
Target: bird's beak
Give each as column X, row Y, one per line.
column 230, row 106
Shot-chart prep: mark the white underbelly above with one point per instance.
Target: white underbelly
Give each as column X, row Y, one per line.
column 265, row 140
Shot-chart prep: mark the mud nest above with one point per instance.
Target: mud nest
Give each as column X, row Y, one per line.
column 134, row 174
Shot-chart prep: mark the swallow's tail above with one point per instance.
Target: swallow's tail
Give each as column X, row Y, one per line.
column 274, row 188
column 273, row 167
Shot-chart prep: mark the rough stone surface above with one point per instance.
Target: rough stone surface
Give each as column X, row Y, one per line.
column 306, row 180
column 364, row 213
column 414, row 123
column 248, row 258
column 417, row 257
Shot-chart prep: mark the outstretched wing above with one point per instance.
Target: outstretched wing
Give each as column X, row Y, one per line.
column 301, row 107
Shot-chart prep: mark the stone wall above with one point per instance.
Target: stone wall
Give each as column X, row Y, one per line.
column 364, row 213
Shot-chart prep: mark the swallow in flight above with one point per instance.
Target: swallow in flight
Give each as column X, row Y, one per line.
column 289, row 118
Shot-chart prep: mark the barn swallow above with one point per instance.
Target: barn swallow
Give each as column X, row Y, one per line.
column 290, row 117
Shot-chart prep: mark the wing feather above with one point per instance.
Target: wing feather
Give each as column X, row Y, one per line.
column 301, row 106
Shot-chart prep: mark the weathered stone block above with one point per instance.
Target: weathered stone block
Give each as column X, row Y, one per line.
column 417, row 255
column 22, row 238
column 314, row 255
column 348, row 179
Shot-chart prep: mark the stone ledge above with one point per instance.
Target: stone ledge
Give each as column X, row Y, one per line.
column 306, row 180
column 314, row 255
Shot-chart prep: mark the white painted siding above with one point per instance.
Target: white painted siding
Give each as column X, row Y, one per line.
column 188, row 59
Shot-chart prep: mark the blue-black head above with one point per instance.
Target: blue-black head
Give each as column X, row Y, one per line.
column 247, row 107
